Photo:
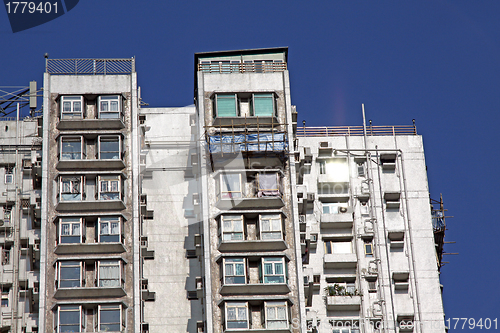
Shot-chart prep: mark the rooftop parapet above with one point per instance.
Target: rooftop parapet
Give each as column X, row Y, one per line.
column 90, row 66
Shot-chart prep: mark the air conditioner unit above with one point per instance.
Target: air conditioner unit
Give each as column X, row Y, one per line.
column 343, row 210
column 302, row 219
column 314, row 238
column 310, row 196
column 376, row 309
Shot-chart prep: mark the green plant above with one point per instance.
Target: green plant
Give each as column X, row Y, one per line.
column 338, row 290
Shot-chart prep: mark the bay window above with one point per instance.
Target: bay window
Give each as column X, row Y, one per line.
column 109, row 147
column 71, row 107
column 109, row 273
column 110, row 318
column 70, row 230
column 69, row 318
column 232, row 227
column 71, row 188
column 109, row 187
column 109, row 230
column 237, row 315
column 270, row 226
column 70, row 274
column 71, row 148
column 109, row 107
column 231, row 185
column 234, row 271
column 273, row 270
column 276, row 315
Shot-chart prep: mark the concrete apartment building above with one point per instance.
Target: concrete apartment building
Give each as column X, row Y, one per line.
column 222, row 216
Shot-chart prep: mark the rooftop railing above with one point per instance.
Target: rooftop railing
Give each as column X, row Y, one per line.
column 356, row 130
column 227, row 68
column 90, row 66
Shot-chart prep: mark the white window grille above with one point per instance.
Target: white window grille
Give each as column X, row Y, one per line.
column 236, row 315
column 232, row 227
column 71, row 107
column 234, row 271
column 273, row 270
column 109, row 187
column 270, row 226
column 70, row 230
column 276, row 315
column 109, row 107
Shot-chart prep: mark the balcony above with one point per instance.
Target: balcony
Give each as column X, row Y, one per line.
column 343, row 260
column 90, row 124
column 253, row 245
column 339, row 220
column 89, row 292
column 89, row 248
column 255, row 289
column 343, row 302
column 90, row 164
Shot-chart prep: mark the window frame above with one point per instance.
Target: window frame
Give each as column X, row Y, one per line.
column 71, row 223
column 109, row 99
column 264, row 95
column 72, row 264
column 270, row 217
column 368, row 248
column 233, row 262
column 109, row 179
column 70, row 308
column 108, row 307
column 232, row 219
column 274, row 261
column 72, row 139
column 107, row 137
column 229, row 194
column 71, row 180
column 110, row 263
column 109, row 220
column 72, row 114
column 226, row 95
column 276, row 305
column 236, row 305
column 330, row 250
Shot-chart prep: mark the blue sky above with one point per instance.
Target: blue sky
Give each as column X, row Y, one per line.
column 434, row 61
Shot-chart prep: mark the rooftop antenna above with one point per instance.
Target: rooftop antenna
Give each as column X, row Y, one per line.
column 364, row 125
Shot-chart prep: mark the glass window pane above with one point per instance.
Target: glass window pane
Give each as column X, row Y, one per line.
column 242, row 313
column 229, row 269
column 77, row 106
column 278, row 267
column 271, row 313
column 263, row 105
column 342, row 247
column 76, row 229
column 226, row 106
column 328, row 246
column 114, row 106
column 66, row 106
column 231, row 313
column 104, row 106
column 65, row 229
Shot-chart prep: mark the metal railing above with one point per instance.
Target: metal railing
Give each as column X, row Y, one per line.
column 226, row 68
column 356, row 130
column 90, row 66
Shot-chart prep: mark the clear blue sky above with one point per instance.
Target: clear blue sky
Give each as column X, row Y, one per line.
column 435, row 61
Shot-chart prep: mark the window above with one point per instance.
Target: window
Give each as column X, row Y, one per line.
column 7, row 212
column 70, row 230
column 270, row 226
column 273, row 269
column 230, row 185
column 276, row 315
column 345, row 330
column 109, row 230
column 232, row 227
column 236, row 315
column 263, row 105
column 368, row 248
column 5, row 296
column 69, row 318
column 109, row 273
column 71, row 148
column 109, row 187
column 338, row 247
column 268, row 184
column 226, row 105
column 109, row 107
column 234, row 271
column 337, row 168
column 70, row 274
column 71, row 107
column 110, row 318
column 9, row 175
column 6, row 255
column 71, row 188
column 109, row 148
column 335, row 207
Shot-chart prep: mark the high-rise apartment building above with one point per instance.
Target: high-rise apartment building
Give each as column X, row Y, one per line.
column 222, row 216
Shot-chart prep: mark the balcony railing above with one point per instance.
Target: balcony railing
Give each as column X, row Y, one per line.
column 225, row 68
column 356, row 130
column 90, row 66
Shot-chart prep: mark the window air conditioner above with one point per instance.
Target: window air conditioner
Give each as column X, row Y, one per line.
column 343, row 210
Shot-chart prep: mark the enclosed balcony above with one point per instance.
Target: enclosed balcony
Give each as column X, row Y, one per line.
column 336, row 215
